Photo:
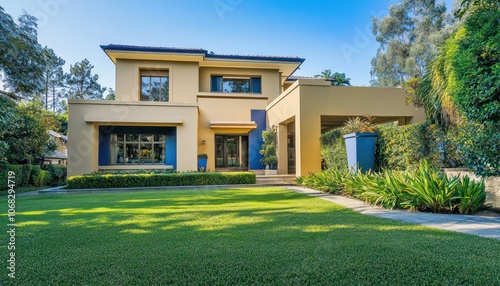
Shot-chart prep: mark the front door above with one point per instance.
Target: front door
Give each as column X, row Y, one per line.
column 231, row 151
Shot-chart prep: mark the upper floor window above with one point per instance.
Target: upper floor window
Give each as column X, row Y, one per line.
column 236, row 84
column 154, row 85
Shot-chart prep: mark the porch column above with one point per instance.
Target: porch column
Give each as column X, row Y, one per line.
column 308, row 149
column 282, row 149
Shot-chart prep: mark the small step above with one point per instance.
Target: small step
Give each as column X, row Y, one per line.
column 275, row 180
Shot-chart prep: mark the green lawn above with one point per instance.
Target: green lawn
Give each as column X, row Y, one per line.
column 251, row 236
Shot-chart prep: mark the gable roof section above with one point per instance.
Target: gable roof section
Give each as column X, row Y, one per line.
column 285, row 64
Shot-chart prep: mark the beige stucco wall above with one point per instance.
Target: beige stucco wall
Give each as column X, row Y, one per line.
column 226, row 109
column 270, row 79
column 85, row 117
column 183, row 79
column 307, row 100
column 492, row 185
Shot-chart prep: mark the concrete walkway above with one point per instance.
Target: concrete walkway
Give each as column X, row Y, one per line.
column 484, row 226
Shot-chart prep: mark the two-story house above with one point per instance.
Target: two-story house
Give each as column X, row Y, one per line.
column 175, row 103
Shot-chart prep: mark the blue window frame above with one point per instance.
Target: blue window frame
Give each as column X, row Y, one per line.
column 236, row 84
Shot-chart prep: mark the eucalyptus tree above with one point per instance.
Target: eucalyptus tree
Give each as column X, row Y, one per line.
column 20, row 55
column 409, row 37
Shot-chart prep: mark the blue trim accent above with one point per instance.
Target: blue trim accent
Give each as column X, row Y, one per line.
column 171, row 145
column 256, row 85
column 104, row 148
column 216, row 84
column 255, row 140
column 170, row 141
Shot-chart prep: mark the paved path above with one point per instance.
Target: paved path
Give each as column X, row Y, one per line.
column 472, row 224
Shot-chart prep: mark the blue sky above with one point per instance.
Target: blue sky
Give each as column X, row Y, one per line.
column 334, row 34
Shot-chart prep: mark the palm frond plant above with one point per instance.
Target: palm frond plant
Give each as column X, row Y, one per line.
column 471, row 195
column 432, row 190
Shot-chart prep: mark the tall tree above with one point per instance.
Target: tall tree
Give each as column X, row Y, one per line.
column 408, row 37
column 336, row 78
column 462, row 87
column 81, row 83
column 53, row 77
column 26, row 134
column 464, row 7
column 20, row 55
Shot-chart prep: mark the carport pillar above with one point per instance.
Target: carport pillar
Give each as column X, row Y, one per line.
column 308, row 149
column 282, row 149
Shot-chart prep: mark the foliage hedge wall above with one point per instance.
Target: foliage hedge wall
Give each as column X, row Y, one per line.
column 94, row 181
column 33, row 175
column 402, row 147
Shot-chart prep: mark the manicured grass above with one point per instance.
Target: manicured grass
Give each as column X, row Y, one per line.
column 251, row 236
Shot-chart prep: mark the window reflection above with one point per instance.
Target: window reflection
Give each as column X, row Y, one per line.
column 236, row 85
column 133, row 149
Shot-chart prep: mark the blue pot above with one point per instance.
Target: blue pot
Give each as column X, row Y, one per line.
column 202, row 165
column 360, row 148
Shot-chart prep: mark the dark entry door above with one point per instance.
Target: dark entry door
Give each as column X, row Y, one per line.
column 230, row 151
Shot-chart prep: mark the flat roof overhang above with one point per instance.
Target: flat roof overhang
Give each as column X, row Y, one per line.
column 241, row 125
column 286, row 65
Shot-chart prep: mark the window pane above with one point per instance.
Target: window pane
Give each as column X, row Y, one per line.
column 155, row 88
column 219, row 151
column 159, row 153
column 232, row 151
column 164, row 89
column 117, row 153
column 145, row 88
column 120, row 137
column 146, row 138
column 146, row 156
column 132, row 153
column 159, row 138
column 132, row 138
column 236, row 85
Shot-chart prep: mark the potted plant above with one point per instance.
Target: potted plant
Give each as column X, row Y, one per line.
column 360, row 138
column 269, row 151
column 202, row 162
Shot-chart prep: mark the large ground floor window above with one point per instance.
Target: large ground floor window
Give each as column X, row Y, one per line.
column 136, row 149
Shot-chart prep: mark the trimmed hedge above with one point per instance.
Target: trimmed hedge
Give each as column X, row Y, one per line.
column 57, row 174
column 333, row 149
column 94, row 181
column 33, row 175
column 402, row 147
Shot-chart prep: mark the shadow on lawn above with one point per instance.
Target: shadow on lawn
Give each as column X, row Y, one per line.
column 216, row 213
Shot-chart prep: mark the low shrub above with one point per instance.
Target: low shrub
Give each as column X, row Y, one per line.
column 424, row 188
column 432, row 190
column 470, row 195
column 330, row 180
column 58, row 174
column 139, row 171
column 94, row 181
column 389, row 190
column 33, row 175
column 36, row 176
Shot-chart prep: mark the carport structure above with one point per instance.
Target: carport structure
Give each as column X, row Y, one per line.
column 312, row 106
